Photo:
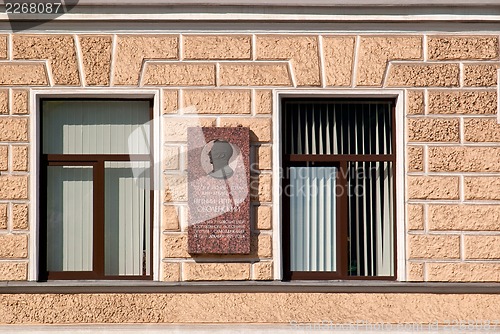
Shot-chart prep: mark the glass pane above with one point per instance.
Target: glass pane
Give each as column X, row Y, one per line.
column 127, row 218
column 312, row 218
column 337, row 128
column 371, row 219
column 96, row 127
column 69, row 218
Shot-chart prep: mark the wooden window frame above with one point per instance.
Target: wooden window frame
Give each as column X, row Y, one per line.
column 97, row 161
column 341, row 161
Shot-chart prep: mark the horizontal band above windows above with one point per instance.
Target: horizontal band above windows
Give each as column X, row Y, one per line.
column 97, row 157
column 274, row 3
column 358, row 286
column 338, row 157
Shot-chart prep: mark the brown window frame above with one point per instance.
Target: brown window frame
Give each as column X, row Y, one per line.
column 98, row 240
column 341, row 161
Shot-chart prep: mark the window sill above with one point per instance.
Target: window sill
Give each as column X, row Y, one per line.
column 89, row 287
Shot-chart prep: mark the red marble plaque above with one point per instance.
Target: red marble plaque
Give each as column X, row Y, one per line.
column 218, row 190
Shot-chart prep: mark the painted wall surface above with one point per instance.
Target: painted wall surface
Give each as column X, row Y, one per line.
column 452, row 199
column 457, row 312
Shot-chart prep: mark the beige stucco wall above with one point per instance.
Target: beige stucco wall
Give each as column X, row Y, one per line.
column 452, row 156
column 337, row 308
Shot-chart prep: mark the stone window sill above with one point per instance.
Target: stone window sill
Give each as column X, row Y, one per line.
column 90, row 287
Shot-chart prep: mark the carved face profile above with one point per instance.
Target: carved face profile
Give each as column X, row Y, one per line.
column 219, row 156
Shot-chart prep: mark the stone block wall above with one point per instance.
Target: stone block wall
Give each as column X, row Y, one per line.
column 452, row 201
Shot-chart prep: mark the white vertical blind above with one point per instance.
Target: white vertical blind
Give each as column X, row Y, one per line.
column 342, row 128
column 337, row 128
column 69, row 213
column 127, row 218
column 312, row 218
column 96, row 127
column 371, row 219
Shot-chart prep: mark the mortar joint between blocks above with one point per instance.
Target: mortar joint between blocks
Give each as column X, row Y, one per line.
column 357, row 46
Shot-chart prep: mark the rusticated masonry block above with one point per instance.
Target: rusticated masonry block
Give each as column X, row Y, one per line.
column 171, row 157
column 3, row 47
column 175, row 246
column 433, row 129
column 175, row 188
column 415, row 155
column 58, row 50
column 4, row 217
column 223, row 101
column 264, row 157
column 339, row 58
column 415, row 100
column 481, row 130
column 254, row 74
column 13, row 246
column 261, row 188
column 263, row 101
column 20, row 158
column 217, row 47
column 482, row 247
column 263, row 271
column 13, row 271
column 464, row 217
column 20, row 101
column 470, row 47
column 462, row 102
column 423, row 75
column 301, row 50
column 216, row 271
column 429, row 187
column 264, row 246
column 171, row 272
column 13, row 129
column 20, row 216
column 482, row 188
column 170, row 101
column 170, row 218
column 175, row 128
column 131, row 51
column 464, row 159
column 14, row 74
column 264, row 217
column 260, row 128
column 415, row 272
column 4, row 157
column 375, row 52
column 434, row 246
column 178, row 74
column 13, row 187
column 415, row 217
column 96, row 58
column 480, row 75
column 4, row 102
column 463, row 272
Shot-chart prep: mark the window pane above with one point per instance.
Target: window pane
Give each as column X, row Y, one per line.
column 69, row 218
column 371, row 219
column 312, row 218
column 96, row 127
column 127, row 218
column 337, row 128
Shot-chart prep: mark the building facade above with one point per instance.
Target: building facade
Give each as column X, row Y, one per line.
column 396, row 101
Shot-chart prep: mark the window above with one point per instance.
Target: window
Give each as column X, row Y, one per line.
column 339, row 184
column 96, row 194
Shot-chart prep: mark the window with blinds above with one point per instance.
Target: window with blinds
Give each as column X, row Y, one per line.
column 97, row 211
column 339, row 203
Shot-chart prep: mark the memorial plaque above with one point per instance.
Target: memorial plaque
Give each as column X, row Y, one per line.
column 218, row 190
